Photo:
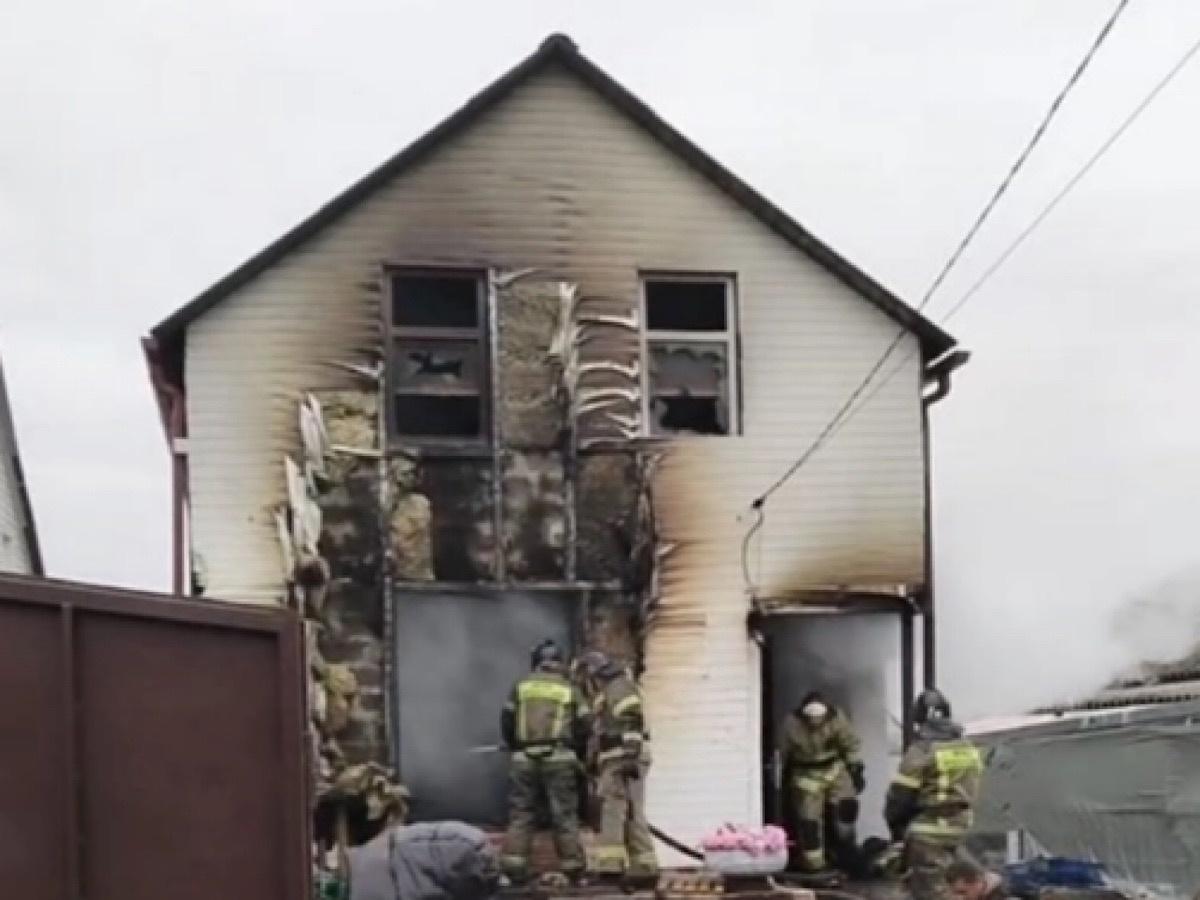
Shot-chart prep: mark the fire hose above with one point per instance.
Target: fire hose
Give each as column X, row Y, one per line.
column 676, row 845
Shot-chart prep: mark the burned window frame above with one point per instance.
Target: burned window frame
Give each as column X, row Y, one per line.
column 479, row 334
column 729, row 338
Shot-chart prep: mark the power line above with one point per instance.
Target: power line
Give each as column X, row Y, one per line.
column 1074, row 180
column 1024, row 154
column 1037, row 220
column 1018, row 163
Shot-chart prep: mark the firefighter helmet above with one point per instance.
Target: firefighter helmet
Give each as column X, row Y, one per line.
column 931, row 705
column 814, row 706
column 598, row 664
column 545, row 653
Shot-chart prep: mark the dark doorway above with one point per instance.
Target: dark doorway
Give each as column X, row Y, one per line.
column 457, row 657
column 854, row 661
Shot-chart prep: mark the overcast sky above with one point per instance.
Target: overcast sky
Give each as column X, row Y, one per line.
column 146, row 148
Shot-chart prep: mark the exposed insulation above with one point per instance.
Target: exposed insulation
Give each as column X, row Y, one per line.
column 534, row 516
column 350, row 539
column 610, row 627
column 410, row 523
column 605, row 502
column 528, row 314
column 462, row 510
column 351, row 417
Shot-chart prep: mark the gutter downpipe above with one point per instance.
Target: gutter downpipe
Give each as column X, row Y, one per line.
column 939, row 372
column 172, row 411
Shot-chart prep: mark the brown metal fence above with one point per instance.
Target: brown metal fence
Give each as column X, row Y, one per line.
column 149, row 747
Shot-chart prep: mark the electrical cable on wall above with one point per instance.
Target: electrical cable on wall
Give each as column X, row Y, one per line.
column 843, row 411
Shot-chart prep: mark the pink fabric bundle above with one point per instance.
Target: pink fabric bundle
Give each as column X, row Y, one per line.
column 767, row 841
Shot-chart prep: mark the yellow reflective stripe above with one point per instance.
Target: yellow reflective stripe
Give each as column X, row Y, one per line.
column 810, row 784
column 544, row 690
column 815, row 858
column 610, row 859
column 632, row 737
column 941, row 827
column 560, row 754
column 560, row 712
column 624, row 705
column 547, row 691
column 907, row 781
column 957, row 760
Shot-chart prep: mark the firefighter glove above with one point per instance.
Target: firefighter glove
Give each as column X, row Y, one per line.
column 857, row 777
column 630, row 770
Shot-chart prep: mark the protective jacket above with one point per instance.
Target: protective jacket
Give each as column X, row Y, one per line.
column 620, row 757
column 808, row 746
column 619, row 722
column 545, row 713
column 934, row 792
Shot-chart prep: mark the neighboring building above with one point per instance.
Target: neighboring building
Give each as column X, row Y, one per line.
column 19, row 551
column 1112, row 777
column 526, row 378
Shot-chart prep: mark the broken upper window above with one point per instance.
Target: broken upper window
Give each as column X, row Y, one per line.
column 437, row 371
column 691, row 355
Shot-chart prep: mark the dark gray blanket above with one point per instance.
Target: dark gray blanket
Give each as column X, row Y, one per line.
column 434, row 861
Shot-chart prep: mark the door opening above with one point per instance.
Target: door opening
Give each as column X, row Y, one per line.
column 855, row 661
column 457, row 657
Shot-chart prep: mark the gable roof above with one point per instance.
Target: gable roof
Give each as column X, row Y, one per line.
column 560, row 49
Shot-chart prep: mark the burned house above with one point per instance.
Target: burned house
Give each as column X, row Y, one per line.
column 527, row 378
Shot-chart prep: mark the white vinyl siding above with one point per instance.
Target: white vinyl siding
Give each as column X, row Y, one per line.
column 555, row 178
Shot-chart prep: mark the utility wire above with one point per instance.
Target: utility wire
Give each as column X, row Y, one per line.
column 953, row 259
column 1074, row 180
column 1037, row 220
column 1024, row 154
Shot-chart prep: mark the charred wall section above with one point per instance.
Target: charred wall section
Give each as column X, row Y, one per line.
column 559, row 498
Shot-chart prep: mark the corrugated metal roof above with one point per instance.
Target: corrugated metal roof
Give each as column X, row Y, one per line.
column 1139, row 695
column 1147, row 683
column 1186, row 668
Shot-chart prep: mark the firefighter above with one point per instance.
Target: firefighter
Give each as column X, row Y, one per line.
column 545, row 724
column 822, row 756
column 930, row 802
column 620, row 758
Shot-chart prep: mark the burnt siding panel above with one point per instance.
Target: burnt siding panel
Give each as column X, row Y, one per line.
column 534, row 519
column 610, row 338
